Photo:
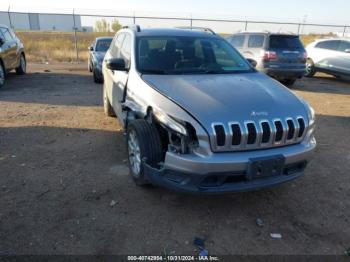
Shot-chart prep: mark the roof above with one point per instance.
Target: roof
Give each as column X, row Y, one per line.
column 104, row 38
column 266, row 33
column 173, row 32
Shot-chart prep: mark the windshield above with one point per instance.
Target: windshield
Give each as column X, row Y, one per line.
column 188, row 55
column 103, row 45
column 285, row 42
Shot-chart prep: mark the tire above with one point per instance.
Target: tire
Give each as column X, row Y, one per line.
column 89, row 67
column 108, row 109
column 288, row 82
column 97, row 79
column 310, row 68
column 2, row 75
column 143, row 143
column 22, row 68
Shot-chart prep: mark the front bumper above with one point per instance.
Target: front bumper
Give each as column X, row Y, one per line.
column 284, row 72
column 227, row 172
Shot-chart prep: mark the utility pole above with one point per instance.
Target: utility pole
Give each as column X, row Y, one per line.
column 8, row 12
column 75, row 38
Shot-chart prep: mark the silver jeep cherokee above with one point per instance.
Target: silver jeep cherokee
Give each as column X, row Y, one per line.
column 199, row 117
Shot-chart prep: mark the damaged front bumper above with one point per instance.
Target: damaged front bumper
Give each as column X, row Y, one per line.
column 231, row 172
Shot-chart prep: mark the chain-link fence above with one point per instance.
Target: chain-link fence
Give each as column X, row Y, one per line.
column 66, row 36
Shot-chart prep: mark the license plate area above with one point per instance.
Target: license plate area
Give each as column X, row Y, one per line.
column 265, row 167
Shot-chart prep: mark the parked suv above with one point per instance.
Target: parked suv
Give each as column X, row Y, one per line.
column 11, row 53
column 97, row 52
column 199, row 117
column 281, row 56
column 331, row 56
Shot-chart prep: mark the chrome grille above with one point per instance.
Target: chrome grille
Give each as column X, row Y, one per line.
column 236, row 136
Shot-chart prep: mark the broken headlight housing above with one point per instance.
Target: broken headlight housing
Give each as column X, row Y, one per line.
column 182, row 136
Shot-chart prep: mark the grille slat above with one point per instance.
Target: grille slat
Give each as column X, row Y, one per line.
column 301, row 127
column 236, row 134
column 220, row 135
column 279, row 131
column 255, row 135
column 252, row 134
column 291, row 129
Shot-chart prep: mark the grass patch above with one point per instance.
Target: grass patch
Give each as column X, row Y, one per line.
column 60, row 46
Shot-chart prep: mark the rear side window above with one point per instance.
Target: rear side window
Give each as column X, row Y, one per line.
column 285, row 42
column 330, row 45
column 256, row 41
column 237, row 40
column 343, row 46
column 6, row 34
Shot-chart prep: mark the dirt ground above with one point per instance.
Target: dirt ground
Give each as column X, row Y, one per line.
column 62, row 163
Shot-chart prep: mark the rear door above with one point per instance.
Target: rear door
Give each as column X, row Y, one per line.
column 289, row 50
column 326, row 54
column 10, row 47
column 116, row 81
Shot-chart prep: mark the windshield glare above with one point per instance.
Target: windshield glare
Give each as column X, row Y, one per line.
column 103, row 45
column 188, row 55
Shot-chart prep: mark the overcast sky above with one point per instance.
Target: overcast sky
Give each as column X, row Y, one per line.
column 310, row 11
column 319, row 11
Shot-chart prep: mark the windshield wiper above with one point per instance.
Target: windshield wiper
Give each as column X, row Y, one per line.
column 154, row 71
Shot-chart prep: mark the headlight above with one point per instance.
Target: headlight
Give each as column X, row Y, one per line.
column 310, row 112
column 311, row 116
column 170, row 122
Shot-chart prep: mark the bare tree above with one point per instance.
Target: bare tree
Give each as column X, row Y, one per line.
column 115, row 25
column 102, row 26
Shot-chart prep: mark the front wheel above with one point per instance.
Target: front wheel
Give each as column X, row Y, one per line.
column 22, row 68
column 143, row 142
column 2, row 75
column 310, row 68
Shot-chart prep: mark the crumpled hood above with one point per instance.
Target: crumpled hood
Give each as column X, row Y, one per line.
column 227, row 98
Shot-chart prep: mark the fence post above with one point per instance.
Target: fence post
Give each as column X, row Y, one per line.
column 191, row 21
column 246, row 26
column 299, row 26
column 344, row 32
column 9, row 14
column 134, row 18
column 75, row 38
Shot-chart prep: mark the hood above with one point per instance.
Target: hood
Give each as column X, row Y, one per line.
column 99, row 55
column 229, row 98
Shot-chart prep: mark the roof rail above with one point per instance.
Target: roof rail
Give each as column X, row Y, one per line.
column 205, row 29
column 132, row 27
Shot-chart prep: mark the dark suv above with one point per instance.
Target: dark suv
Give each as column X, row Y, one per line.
column 281, row 56
column 11, row 53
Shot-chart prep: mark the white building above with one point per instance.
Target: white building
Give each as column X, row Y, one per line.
column 45, row 22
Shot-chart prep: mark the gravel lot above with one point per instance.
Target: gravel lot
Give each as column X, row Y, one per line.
column 62, row 163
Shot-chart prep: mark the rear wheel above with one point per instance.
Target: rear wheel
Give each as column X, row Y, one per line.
column 288, row 82
column 310, row 68
column 2, row 75
column 97, row 79
column 22, row 68
column 143, row 143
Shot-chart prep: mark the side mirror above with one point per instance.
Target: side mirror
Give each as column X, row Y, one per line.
column 347, row 50
column 91, row 48
column 252, row 62
column 117, row 64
